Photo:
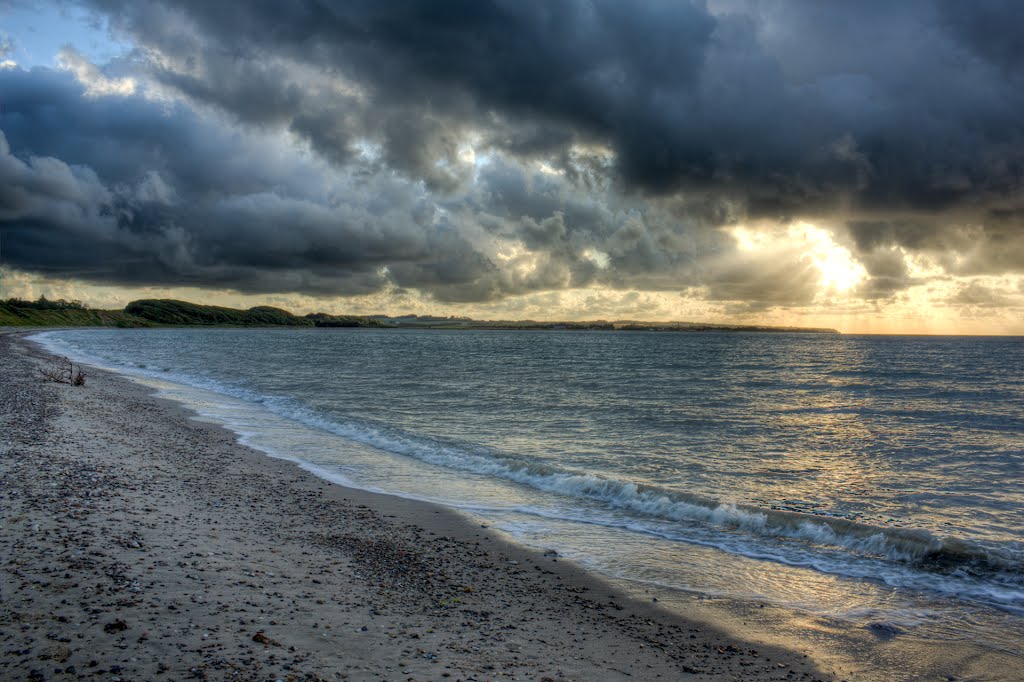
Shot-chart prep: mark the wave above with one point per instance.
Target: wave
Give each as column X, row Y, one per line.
column 996, row 590
column 919, row 548
column 1000, row 563
column 916, row 547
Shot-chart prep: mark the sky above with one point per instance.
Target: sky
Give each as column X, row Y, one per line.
column 853, row 164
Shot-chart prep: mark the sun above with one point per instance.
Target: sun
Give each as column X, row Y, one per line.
column 840, row 271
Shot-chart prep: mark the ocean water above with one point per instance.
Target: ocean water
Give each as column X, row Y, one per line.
column 875, row 481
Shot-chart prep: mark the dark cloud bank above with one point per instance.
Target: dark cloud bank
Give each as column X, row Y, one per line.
column 897, row 123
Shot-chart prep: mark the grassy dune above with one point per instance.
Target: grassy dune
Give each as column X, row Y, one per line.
column 171, row 313
column 163, row 312
column 14, row 316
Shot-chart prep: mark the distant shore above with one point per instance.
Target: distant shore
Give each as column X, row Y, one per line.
column 172, row 313
column 143, row 543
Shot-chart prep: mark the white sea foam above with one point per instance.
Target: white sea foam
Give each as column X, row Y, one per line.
column 909, row 558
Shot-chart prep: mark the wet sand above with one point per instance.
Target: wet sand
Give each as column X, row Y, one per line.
column 140, row 544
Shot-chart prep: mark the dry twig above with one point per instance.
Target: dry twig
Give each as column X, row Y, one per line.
column 63, row 371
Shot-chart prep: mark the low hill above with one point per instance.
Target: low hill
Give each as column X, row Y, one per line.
column 170, row 312
column 43, row 313
column 433, row 322
column 153, row 312
column 182, row 313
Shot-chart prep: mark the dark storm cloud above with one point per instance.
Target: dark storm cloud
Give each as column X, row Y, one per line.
column 125, row 190
column 794, row 108
column 646, row 245
column 122, row 189
column 901, row 105
column 898, row 123
column 990, row 28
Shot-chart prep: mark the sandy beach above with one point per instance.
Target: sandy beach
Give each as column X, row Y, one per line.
column 142, row 544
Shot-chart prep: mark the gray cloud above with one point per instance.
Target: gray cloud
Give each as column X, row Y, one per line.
column 788, row 103
column 121, row 189
column 896, row 123
column 793, row 108
column 978, row 295
column 888, row 273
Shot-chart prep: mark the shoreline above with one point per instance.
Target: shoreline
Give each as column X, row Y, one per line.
column 145, row 543
column 456, row 570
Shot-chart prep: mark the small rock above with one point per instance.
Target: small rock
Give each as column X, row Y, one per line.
column 115, row 626
column 262, row 638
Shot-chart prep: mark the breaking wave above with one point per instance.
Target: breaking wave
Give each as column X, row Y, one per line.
column 995, row 571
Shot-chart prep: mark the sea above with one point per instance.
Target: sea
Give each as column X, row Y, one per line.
column 876, row 482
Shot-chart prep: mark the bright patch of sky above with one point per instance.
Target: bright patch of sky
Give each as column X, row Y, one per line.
column 36, row 33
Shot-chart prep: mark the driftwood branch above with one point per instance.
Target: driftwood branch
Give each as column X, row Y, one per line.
column 63, row 371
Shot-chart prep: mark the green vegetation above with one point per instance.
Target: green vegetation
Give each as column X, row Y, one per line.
column 324, row 320
column 163, row 313
column 44, row 303
column 43, row 313
column 169, row 313
column 178, row 313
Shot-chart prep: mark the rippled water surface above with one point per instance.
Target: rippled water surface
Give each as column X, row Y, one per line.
column 879, row 479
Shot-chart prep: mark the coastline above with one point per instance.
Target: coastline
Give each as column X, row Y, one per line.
column 144, row 543
column 484, row 607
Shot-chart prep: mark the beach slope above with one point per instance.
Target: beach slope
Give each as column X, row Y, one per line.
column 141, row 544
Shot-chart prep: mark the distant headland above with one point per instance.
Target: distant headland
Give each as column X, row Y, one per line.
column 171, row 313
